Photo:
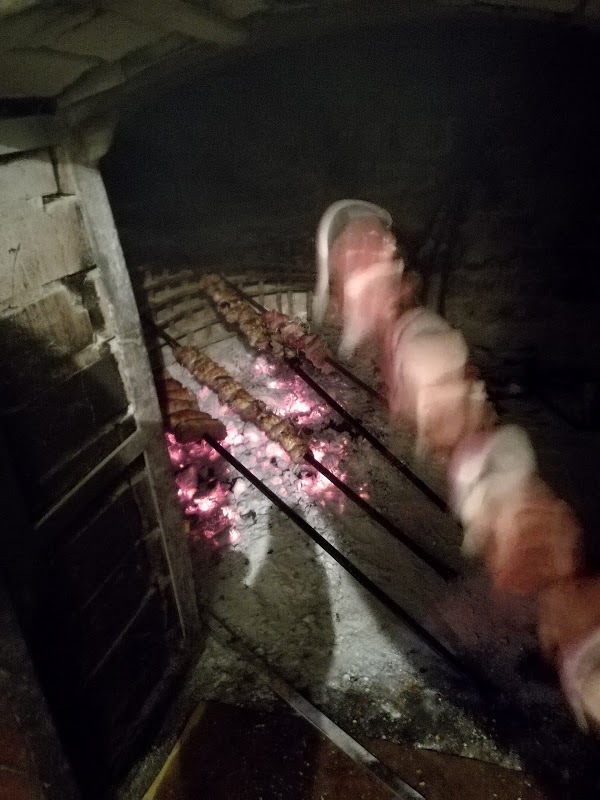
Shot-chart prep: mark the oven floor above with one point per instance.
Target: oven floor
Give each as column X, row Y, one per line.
column 228, row 753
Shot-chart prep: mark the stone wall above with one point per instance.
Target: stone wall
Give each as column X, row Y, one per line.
column 419, row 117
column 75, row 49
column 93, row 547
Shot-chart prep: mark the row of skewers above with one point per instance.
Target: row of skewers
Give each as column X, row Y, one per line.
column 268, row 330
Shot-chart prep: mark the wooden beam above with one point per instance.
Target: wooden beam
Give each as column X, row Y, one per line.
column 131, row 353
column 179, row 17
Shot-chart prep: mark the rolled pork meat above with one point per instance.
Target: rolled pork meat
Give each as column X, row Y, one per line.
column 357, row 266
column 430, row 385
column 569, row 636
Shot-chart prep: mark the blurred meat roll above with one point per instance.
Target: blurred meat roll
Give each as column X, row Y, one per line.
column 569, row 635
column 356, row 264
column 527, row 536
column 430, row 385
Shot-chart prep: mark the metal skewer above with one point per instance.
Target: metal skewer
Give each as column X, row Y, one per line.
column 443, row 570
column 424, row 635
column 326, row 726
column 390, row 457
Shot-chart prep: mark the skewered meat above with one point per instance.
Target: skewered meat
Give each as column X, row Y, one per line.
column 355, row 252
column 527, row 536
column 569, row 636
column 181, row 413
column 536, row 540
column 429, row 384
column 295, row 336
column 270, row 329
column 236, row 311
column 229, row 391
column 485, row 469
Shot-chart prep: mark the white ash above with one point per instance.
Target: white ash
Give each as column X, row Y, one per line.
column 294, row 605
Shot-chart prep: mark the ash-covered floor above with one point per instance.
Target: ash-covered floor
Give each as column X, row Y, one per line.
column 300, row 611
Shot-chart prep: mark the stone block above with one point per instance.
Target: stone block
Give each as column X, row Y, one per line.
column 592, row 10
column 68, row 19
column 99, row 624
column 109, row 537
column 137, row 62
column 122, row 686
column 26, row 177
column 176, row 16
column 61, row 480
column 238, row 9
column 64, row 171
column 25, row 134
column 94, row 298
column 96, row 80
column 42, row 73
column 551, row 6
column 39, row 244
column 108, row 36
column 56, row 326
column 20, row 30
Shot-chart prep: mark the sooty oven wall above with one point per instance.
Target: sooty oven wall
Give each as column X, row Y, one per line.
column 90, row 542
column 478, row 133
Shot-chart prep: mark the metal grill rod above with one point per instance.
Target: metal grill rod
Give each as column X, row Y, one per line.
column 439, row 649
column 326, row 726
column 446, row 572
column 443, row 570
column 390, row 457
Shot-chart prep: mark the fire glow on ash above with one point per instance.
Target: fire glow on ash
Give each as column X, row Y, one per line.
column 207, row 489
column 202, row 482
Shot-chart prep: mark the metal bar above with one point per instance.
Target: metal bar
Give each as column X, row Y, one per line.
column 170, row 340
column 326, row 726
column 355, row 379
column 442, row 569
column 358, row 575
column 446, row 572
column 392, row 459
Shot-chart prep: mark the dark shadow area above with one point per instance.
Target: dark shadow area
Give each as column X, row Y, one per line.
column 398, row 114
column 506, row 688
column 89, row 584
column 236, row 754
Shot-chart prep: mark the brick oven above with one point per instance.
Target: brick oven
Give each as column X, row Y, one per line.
column 216, row 133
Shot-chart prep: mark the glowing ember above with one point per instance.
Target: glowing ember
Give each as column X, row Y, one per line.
column 210, row 495
column 297, row 406
column 203, row 500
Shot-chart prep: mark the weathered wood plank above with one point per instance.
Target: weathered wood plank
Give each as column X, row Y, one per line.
column 59, row 481
column 47, row 331
column 48, row 430
column 27, row 176
column 135, row 367
column 40, row 243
